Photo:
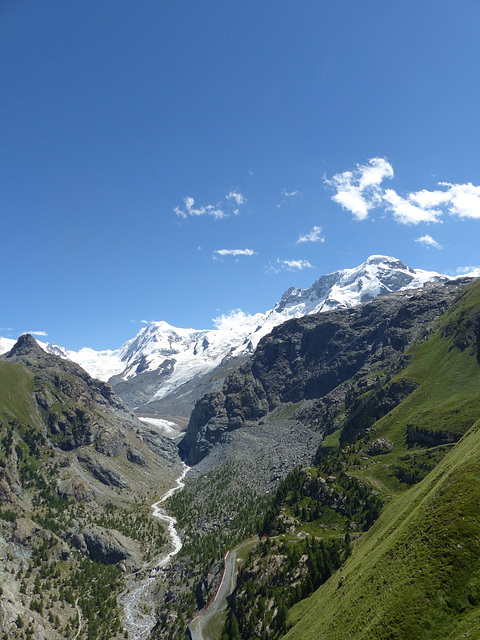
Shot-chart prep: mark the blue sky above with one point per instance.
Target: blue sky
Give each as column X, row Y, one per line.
column 177, row 160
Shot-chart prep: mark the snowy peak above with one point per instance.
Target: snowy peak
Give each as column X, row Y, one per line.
column 161, row 358
column 349, row 287
column 179, row 355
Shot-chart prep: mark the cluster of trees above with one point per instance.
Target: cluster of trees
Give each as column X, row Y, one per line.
column 137, row 524
column 50, row 587
column 354, row 502
column 287, row 568
column 213, row 518
column 278, row 574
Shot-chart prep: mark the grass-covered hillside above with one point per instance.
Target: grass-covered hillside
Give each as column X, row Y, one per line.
column 380, row 538
column 416, row 573
column 76, row 483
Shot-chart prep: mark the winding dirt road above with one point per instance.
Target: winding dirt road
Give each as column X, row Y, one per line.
column 201, row 627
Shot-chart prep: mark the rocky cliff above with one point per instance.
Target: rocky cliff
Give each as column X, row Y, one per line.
column 310, row 358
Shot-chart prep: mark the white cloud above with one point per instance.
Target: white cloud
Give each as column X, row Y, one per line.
column 429, row 199
column 464, row 199
column 291, row 265
column 42, row 334
column 288, row 195
column 189, row 210
column 314, row 235
column 469, row 271
column 406, row 212
column 234, row 252
column 428, row 241
column 216, row 211
column 231, row 320
column 237, row 197
column 359, row 191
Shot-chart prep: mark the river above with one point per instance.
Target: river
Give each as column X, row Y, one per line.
column 137, row 601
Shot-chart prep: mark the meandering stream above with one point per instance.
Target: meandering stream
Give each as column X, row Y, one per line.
column 137, row 602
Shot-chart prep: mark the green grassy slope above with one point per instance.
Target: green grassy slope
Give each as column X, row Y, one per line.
column 48, row 501
column 16, row 387
column 416, row 573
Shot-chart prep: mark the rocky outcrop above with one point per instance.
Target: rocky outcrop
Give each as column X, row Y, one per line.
column 159, row 444
column 110, row 442
column 111, row 547
column 75, row 489
column 105, row 474
column 308, row 358
column 379, row 447
column 137, row 457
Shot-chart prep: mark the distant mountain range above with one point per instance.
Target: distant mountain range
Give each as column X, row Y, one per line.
column 161, row 361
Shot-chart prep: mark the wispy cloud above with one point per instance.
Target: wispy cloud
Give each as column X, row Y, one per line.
column 189, row 210
column 290, row 194
column 290, row 265
column 428, row 241
column 360, row 191
column 286, row 195
column 314, row 235
column 236, row 196
column 473, row 272
column 41, row 334
column 231, row 320
column 217, row 211
column 221, row 253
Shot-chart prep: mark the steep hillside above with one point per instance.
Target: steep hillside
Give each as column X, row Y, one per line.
column 78, row 473
column 415, row 573
column 310, row 359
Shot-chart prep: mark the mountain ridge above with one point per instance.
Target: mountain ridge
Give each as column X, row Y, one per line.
column 307, row 358
column 154, row 366
column 78, row 472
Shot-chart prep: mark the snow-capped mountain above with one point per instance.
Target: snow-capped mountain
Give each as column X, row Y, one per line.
column 161, row 358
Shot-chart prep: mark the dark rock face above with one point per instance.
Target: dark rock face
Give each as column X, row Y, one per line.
column 26, row 345
column 308, row 358
column 111, row 547
column 137, row 457
column 159, row 444
column 108, row 476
